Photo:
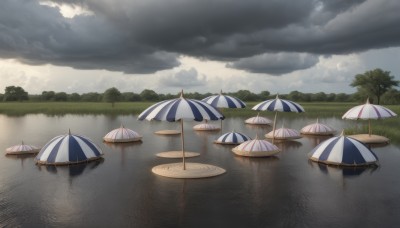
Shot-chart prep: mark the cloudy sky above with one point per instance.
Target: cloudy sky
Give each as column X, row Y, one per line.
column 196, row 45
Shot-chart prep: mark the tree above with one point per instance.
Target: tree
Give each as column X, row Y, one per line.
column 374, row 83
column 149, row 95
column 264, row 95
column 391, row 97
column 15, row 93
column 48, row 95
column 74, row 97
column 91, row 97
column 112, row 95
column 61, row 96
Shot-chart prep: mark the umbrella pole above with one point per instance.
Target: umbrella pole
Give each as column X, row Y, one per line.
column 369, row 127
column 183, row 146
column 273, row 128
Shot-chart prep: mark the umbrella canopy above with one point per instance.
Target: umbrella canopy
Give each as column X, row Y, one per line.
column 122, row 134
column 342, row 150
column 258, row 120
column 22, row 149
column 283, row 134
column 205, row 127
column 224, row 101
column 181, row 109
column 317, row 129
column 256, row 148
column 68, row 149
column 368, row 111
column 232, row 138
column 278, row 105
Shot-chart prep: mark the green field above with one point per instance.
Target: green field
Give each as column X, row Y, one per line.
column 388, row 127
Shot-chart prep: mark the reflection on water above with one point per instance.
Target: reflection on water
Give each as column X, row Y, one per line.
column 342, row 171
column 121, row 191
column 73, row 169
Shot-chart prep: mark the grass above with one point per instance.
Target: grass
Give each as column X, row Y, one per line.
column 386, row 128
column 62, row 108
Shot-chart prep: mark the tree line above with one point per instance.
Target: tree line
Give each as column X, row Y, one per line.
column 376, row 84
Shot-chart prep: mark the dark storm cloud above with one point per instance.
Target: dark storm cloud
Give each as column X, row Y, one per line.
column 147, row 36
column 275, row 64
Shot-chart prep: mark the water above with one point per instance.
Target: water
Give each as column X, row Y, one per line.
column 121, row 190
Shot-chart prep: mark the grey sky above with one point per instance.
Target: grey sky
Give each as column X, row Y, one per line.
column 164, row 45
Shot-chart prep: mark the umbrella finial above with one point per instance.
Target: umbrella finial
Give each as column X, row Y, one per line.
column 342, row 134
column 277, row 96
column 367, row 101
column 220, row 92
column 122, row 126
column 317, row 120
column 256, row 137
column 182, row 93
column 69, row 131
column 22, row 142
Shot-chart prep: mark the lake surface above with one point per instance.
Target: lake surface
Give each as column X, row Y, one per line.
column 121, row 191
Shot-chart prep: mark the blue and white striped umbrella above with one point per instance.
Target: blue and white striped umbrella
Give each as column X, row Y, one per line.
column 224, row 101
column 342, row 150
column 181, row 109
column 68, row 149
column 278, row 105
column 232, row 138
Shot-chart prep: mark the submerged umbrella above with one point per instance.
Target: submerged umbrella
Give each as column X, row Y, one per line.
column 278, row 105
column 224, row 101
column 368, row 111
column 68, row 149
column 181, row 109
column 256, row 148
column 122, row 134
column 317, row 129
column 258, row 120
column 283, row 134
column 232, row 138
column 205, row 127
column 22, row 149
column 342, row 150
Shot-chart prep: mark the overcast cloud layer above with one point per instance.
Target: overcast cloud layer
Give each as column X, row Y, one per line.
column 272, row 37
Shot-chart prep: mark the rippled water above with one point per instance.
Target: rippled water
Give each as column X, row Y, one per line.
column 121, row 190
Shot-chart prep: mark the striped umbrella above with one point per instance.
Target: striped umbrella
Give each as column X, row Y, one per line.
column 368, row 111
column 22, row 149
column 342, row 150
column 180, row 109
column 232, row 138
column 68, row 149
column 224, row 101
column 258, row 120
column 317, row 129
column 205, row 127
column 283, row 134
column 122, row 134
column 256, row 148
column 278, row 105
